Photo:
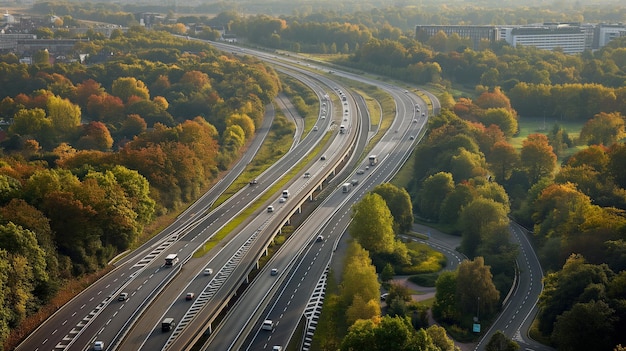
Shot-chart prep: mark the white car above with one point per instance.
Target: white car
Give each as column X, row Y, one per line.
column 360, row 171
column 315, row 128
column 208, row 271
column 267, row 325
column 98, row 345
column 277, row 348
column 282, row 200
column 270, row 209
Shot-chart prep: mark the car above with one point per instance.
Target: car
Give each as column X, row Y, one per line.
column 423, row 114
column 208, row 271
column 122, row 297
column 315, row 128
column 274, row 271
column 98, row 345
column 282, row 199
column 414, row 121
column 268, row 324
column 270, row 209
column 323, row 158
column 277, row 348
column 384, row 296
column 323, row 117
column 406, row 91
column 354, row 182
column 346, row 111
column 190, row 296
column 360, row 171
column 307, row 175
column 319, row 238
column 254, row 182
column 412, row 137
column 367, row 168
column 345, row 120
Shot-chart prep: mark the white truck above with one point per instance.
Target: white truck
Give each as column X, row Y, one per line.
column 346, row 187
column 373, row 160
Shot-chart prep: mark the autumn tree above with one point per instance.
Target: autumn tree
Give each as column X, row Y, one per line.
column 95, row 135
column 64, row 115
column 372, row 224
column 537, row 157
column 502, row 160
column 125, row 87
column 604, row 128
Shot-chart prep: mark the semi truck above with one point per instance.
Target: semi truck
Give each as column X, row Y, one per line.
column 171, row 259
column 373, row 160
column 346, row 187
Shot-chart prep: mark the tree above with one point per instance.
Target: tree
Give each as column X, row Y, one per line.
column 537, row 157
column 500, row 342
column 360, row 336
column 398, row 201
column 476, row 218
column 31, row 122
column 95, row 136
column 564, row 288
column 434, row 190
column 387, row 273
column 603, row 128
column 503, row 118
column 372, row 224
column 125, row 87
column 475, row 291
column 445, row 306
column 359, row 276
column 586, row 326
column 64, row 115
column 502, row 159
column 361, row 309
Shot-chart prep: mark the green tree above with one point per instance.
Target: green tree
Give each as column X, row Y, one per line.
column 503, row 118
column 586, row 326
column 475, row 218
column 387, row 273
column 500, row 342
column 445, row 306
column 475, row 291
column 398, row 201
column 434, row 190
column 372, row 224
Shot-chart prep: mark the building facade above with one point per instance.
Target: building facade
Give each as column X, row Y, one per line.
column 571, row 38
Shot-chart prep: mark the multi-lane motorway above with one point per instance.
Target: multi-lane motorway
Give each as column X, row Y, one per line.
column 292, row 296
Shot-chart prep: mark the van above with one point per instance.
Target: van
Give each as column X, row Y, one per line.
column 267, row 325
column 270, row 209
column 167, row 324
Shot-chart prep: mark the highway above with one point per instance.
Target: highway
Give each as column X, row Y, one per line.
column 96, row 314
column 298, row 292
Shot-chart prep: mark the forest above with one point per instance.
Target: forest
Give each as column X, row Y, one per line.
column 97, row 152
column 145, row 128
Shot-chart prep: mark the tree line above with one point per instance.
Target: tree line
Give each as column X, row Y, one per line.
column 95, row 152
